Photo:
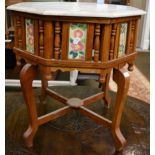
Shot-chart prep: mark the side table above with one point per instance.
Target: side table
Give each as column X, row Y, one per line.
column 65, row 36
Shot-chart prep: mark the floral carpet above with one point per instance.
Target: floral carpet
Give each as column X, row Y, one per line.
column 139, row 86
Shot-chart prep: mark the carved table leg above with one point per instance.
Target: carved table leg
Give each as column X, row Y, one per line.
column 105, row 89
column 44, row 83
column 27, row 74
column 121, row 77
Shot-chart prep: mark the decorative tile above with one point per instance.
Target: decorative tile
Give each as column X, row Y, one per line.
column 29, row 35
column 77, row 41
column 123, row 37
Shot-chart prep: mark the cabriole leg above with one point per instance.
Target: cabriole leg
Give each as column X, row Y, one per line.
column 27, row 74
column 121, row 77
column 105, row 89
column 44, row 83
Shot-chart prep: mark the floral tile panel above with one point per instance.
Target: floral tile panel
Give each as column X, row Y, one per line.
column 123, row 38
column 29, row 35
column 77, row 41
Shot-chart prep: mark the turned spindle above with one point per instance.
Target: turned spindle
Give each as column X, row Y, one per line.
column 97, row 43
column 36, row 37
column 132, row 35
column 23, row 33
column 18, row 41
column 41, row 38
column 135, row 32
column 19, row 31
column 112, row 42
column 57, row 40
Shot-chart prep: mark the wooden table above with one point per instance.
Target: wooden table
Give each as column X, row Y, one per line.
column 65, row 36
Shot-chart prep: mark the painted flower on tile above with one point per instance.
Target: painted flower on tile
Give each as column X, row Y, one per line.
column 31, row 41
column 78, row 33
column 30, row 29
column 122, row 41
column 77, row 41
column 77, row 47
column 29, row 35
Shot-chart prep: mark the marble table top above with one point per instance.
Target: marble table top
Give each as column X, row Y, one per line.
column 81, row 9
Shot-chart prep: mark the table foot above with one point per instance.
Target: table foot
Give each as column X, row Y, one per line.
column 107, row 101
column 119, row 139
column 121, row 77
column 29, row 135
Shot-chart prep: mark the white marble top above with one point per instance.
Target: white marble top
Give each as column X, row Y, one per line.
column 76, row 9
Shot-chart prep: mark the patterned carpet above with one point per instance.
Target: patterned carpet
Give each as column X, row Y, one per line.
column 139, row 86
column 75, row 133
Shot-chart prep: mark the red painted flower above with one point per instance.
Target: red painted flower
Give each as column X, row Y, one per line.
column 77, row 47
column 30, row 29
column 78, row 33
column 31, row 41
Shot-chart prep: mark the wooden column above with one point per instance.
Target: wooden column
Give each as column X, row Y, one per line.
column 65, row 34
column 105, row 48
column 57, row 40
column 97, row 43
column 133, row 41
column 23, row 33
column 133, row 36
column 105, row 42
column 15, row 30
column 18, row 36
column 89, row 44
column 135, row 32
column 41, row 38
column 19, row 32
column 36, row 37
column 48, row 40
column 112, row 42
column 47, row 53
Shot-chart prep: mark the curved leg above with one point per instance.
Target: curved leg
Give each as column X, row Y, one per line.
column 121, row 77
column 105, row 89
column 27, row 74
column 73, row 77
column 44, row 84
